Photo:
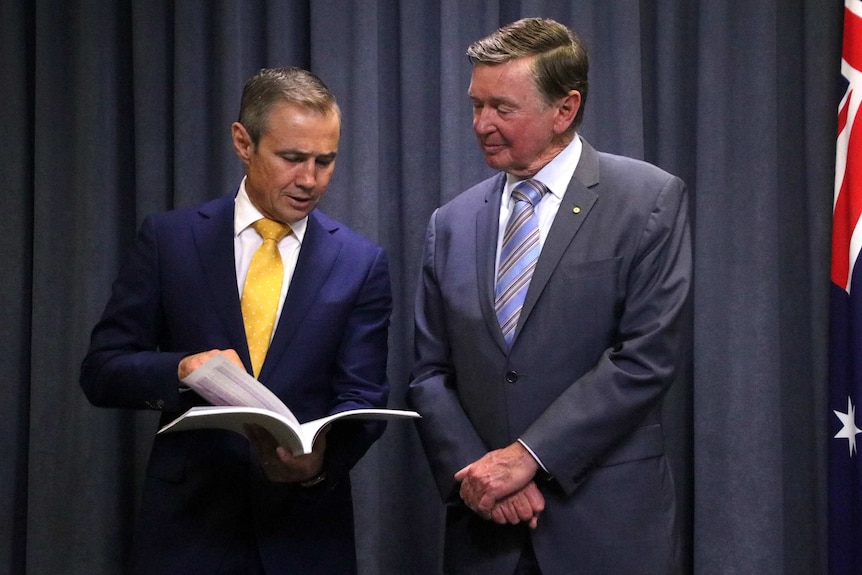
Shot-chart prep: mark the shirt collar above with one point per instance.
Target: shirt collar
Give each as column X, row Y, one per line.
column 557, row 173
column 245, row 214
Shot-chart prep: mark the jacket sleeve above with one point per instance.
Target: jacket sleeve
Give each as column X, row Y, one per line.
column 449, row 439
column 124, row 367
column 359, row 379
column 606, row 407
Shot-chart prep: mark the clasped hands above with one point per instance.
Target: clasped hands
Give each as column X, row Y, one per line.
column 500, row 486
column 279, row 464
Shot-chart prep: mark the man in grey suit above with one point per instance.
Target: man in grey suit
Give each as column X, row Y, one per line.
column 542, row 412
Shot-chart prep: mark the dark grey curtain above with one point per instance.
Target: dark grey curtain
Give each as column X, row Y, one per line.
column 114, row 109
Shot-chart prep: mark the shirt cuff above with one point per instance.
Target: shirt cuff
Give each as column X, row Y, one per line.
column 536, row 457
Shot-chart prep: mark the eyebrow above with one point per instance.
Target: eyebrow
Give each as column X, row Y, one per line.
column 306, row 154
column 493, row 100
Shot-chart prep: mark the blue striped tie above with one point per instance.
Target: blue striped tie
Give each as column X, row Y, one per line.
column 518, row 255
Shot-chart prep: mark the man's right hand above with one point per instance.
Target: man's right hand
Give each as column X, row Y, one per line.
column 191, row 362
column 522, row 506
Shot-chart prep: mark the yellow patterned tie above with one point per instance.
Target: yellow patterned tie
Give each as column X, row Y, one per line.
column 262, row 289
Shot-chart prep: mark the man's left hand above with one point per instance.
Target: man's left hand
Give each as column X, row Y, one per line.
column 281, row 465
column 496, row 475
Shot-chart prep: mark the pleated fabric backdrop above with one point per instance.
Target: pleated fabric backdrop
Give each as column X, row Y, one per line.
column 114, row 109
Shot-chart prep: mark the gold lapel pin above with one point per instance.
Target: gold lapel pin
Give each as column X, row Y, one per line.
column 576, row 210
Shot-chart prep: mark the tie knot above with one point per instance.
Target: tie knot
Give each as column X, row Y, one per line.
column 270, row 229
column 530, row 191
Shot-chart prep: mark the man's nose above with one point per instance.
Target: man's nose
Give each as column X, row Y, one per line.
column 482, row 120
column 306, row 174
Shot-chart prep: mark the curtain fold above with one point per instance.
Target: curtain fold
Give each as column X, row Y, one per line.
column 117, row 109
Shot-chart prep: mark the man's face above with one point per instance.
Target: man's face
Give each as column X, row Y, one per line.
column 289, row 169
column 518, row 131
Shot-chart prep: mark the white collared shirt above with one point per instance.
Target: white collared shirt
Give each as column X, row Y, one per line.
column 556, row 175
column 246, row 240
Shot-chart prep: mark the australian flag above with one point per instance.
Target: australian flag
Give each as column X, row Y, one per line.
column 845, row 361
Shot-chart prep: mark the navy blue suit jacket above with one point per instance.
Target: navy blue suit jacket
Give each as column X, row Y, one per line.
column 598, row 342
column 206, row 505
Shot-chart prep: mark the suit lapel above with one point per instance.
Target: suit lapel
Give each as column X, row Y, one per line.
column 213, row 235
column 574, row 208
column 316, row 258
column 487, row 230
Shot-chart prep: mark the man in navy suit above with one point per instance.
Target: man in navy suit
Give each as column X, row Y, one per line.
column 214, row 502
column 542, row 426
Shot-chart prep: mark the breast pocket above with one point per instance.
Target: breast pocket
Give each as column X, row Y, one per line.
column 585, row 295
column 589, row 270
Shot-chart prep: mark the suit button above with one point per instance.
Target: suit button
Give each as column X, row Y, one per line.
column 511, row 376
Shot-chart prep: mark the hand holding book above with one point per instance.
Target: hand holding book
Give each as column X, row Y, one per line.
column 279, row 464
column 239, row 400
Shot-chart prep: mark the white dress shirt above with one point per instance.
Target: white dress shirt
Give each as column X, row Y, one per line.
column 556, row 176
column 246, row 240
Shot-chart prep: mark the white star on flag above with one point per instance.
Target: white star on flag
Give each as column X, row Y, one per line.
column 849, row 431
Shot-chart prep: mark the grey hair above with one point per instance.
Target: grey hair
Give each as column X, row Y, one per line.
column 561, row 62
column 289, row 85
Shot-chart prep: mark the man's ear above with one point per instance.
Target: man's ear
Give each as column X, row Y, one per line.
column 567, row 108
column 241, row 141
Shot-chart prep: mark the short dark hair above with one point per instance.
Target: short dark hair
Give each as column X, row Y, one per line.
column 271, row 86
column 561, row 62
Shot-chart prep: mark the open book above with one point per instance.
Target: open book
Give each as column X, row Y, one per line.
column 239, row 399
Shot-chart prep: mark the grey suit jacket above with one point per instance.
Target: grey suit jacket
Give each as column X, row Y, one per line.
column 598, row 342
